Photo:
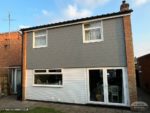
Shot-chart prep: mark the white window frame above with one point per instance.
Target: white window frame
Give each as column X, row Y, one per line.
column 85, row 29
column 47, row 72
column 41, row 46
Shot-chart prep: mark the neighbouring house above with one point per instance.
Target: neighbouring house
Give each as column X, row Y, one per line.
column 83, row 61
column 143, row 72
column 10, row 62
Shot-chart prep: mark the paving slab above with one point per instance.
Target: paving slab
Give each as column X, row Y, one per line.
column 10, row 102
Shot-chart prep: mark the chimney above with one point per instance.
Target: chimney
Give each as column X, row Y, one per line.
column 124, row 6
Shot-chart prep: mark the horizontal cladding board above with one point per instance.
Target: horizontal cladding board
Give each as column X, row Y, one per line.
column 67, row 50
column 73, row 90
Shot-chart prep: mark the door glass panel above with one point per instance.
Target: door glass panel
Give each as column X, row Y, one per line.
column 115, row 85
column 18, row 77
column 15, row 80
column 96, row 85
column 12, row 80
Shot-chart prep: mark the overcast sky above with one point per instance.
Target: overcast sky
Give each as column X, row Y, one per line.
column 26, row 13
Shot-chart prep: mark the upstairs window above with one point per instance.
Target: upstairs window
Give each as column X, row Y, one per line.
column 40, row 39
column 93, row 32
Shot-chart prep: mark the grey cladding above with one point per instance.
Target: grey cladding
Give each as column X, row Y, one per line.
column 67, row 50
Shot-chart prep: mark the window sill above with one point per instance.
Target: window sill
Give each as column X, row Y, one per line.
column 40, row 47
column 55, row 86
column 93, row 41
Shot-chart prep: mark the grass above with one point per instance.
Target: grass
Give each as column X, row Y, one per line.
column 35, row 110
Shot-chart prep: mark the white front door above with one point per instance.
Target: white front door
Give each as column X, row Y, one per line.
column 107, row 86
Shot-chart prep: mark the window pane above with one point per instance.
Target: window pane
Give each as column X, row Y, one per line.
column 40, row 41
column 38, row 33
column 55, row 70
column 92, row 25
column 48, row 79
column 115, row 85
column 93, row 34
column 40, row 71
column 96, row 85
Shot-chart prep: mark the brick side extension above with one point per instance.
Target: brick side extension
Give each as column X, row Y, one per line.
column 10, row 56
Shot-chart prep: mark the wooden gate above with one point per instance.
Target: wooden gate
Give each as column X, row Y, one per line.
column 3, row 84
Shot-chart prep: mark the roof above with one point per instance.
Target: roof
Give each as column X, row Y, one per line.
column 79, row 20
column 144, row 56
column 1, row 33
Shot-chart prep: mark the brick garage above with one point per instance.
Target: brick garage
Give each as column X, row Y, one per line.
column 10, row 56
column 144, row 72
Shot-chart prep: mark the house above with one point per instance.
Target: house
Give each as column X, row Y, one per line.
column 10, row 62
column 83, row 61
column 143, row 72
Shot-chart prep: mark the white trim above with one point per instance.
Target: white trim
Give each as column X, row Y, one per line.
column 106, row 102
column 81, row 22
column 105, row 86
column 33, row 38
column 102, row 31
column 112, row 104
column 83, row 33
column 91, row 28
column 88, row 89
column 11, row 67
column 127, row 88
column 47, row 71
column 55, row 86
column 87, row 85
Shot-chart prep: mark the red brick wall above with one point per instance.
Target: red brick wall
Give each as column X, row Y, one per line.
column 130, row 59
column 10, row 54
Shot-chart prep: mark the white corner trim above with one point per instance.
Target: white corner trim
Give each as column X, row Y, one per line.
column 83, row 33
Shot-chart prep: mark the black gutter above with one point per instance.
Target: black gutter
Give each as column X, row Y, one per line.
column 78, row 20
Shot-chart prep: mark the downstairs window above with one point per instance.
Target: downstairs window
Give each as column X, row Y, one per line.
column 48, row 77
